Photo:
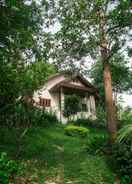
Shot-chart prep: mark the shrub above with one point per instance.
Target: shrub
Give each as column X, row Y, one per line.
column 122, row 154
column 101, row 116
column 96, row 143
column 99, row 122
column 126, row 117
column 22, row 115
column 73, row 130
column 43, row 118
column 122, row 160
column 83, row 122
column 8, row 168
column 89, row 123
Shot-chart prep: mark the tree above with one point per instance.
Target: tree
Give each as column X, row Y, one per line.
column 19, row 24
column 20, row 35
column 98, row 28
column 22, row 69
column 121, row 77
column 35, row 75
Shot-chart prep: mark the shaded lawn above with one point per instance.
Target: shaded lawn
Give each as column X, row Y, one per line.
column 50, row 156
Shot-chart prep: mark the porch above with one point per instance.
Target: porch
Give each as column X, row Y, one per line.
column 87, row 101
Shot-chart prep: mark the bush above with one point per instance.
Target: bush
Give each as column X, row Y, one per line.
column 73, row 130
column 99, row 122
column 89, row 123
column 96, row 143
column 83, row 122
column 101, row 116
column 122, row 154
column 43, row 118
column 21, row 115
column 8, row 168
column 126, row 117
column 122, row 160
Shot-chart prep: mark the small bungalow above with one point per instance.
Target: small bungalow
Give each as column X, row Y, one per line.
column 68, row 96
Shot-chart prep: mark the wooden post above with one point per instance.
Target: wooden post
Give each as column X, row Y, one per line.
column 61, row 102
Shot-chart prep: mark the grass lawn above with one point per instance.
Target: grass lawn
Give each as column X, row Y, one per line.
column 51, row 157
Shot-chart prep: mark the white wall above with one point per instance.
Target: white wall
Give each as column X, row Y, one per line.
column 44, row 92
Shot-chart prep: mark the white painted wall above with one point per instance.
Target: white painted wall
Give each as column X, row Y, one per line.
column 44, row 92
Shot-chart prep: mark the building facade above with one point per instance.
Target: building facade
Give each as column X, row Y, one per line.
column 52, row 96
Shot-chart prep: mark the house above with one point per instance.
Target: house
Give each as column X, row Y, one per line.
column 52, row 96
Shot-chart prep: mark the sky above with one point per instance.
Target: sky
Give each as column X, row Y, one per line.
column 127, row 100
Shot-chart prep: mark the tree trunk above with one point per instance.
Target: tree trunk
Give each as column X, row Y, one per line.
column 111, row 123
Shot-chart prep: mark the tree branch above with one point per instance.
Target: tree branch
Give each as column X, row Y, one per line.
column 117, row 27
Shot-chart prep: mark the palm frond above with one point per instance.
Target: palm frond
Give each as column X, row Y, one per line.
column 124, row 133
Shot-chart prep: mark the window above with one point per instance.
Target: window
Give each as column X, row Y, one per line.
column 44, row 102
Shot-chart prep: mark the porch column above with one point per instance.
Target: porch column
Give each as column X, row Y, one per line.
column 61, row 103
column 92, row 105
column 62, row 99
column 88, row 105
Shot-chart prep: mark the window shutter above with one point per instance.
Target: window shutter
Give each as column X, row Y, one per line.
column 44, row 102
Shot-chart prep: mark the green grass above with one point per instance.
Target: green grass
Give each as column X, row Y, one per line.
column 50, row 156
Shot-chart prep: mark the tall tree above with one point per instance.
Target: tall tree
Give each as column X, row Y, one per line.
column 20, row 33
column 98, row 28
column 121, row 77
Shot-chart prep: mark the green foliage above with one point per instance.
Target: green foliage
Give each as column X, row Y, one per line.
column 80, row 32
column 15, row 84
column 9, row 84
column 22, row 115
column 72, row 105
column 120, row 72
column 83, row 122
column 96, row 143
column 8, row 168
column 97, row 123
column 126, row 117
column 101, row 116
column 73, row 130
column 125, row 133
column 122, row 154
column 19, row 23
column 126, row 179
column 22, row 70
column 35, row 76
column 122, row 161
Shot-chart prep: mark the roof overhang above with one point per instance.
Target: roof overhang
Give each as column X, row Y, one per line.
column 73, row 87
column 87, row 87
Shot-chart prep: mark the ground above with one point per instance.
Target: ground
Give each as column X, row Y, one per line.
column 51, row 157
